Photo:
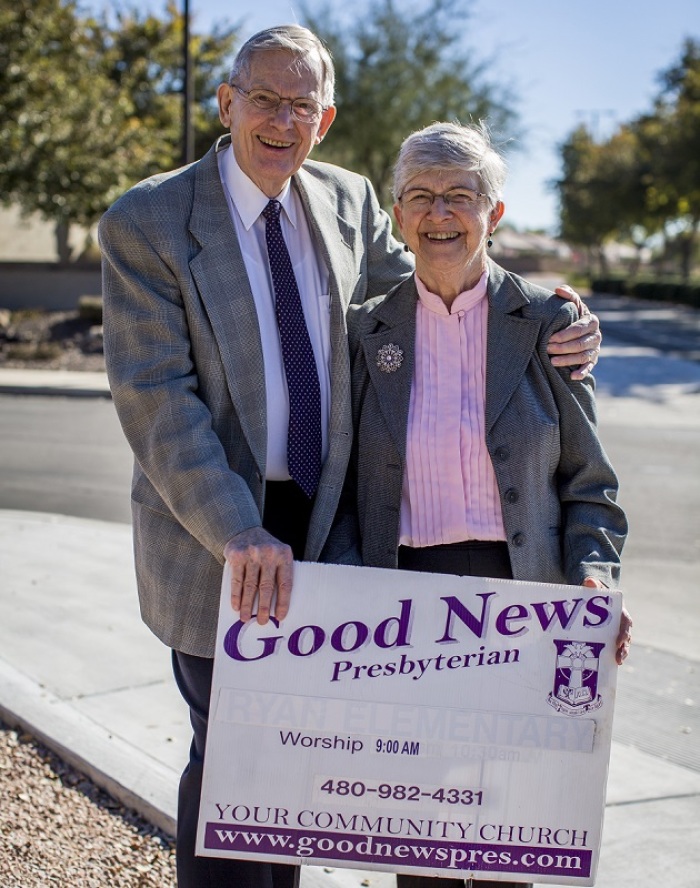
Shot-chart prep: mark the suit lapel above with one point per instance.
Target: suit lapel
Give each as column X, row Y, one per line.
column 511, row 341
column 219, row 272
column 334, row 237
column 335, row 241
column 393, row 387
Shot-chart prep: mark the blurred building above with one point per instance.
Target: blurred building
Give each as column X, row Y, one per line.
column 529, row 251
column 31, row 275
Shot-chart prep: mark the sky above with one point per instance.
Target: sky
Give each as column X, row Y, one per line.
column 567, row 62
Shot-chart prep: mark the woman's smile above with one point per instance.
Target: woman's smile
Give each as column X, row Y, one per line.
column 441, row 235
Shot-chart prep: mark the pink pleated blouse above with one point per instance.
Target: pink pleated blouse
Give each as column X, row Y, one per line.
column 449, row 488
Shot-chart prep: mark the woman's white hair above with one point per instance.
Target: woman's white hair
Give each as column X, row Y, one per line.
column 303, row 44
column 451, row 146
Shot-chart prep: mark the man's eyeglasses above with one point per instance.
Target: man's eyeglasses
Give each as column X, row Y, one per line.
column 420, row 199
column 303, row 109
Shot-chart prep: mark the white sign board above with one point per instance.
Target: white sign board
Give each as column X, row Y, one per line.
column 410, row 722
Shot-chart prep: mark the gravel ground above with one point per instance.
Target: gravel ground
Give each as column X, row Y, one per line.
column 58, row 829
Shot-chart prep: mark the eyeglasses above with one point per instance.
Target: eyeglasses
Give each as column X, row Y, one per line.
column 303, row 109
column 421, row 199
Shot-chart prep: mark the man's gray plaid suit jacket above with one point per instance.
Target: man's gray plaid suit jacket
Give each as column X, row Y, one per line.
column 185, row 365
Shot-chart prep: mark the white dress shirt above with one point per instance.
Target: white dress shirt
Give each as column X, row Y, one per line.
column 246, row 203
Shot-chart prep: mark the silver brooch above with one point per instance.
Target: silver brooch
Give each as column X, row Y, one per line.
column 389, row 358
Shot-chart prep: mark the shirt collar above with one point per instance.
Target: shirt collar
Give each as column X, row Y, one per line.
column 466, row 300
column 248, row 199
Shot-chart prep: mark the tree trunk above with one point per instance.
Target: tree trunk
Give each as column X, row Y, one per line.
column 62, row 246
column 687, row 250
column 602, row 260
column 636, row 263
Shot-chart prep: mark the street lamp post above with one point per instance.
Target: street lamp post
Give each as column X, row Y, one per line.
column 187, row 90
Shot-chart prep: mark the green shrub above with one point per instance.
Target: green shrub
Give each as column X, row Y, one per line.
column 90, row 309
column 655, row 290
column 617, row 286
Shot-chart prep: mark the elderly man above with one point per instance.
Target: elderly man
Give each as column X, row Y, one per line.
column 225, row 290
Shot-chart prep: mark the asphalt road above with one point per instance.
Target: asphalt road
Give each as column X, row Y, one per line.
column 64, row 455
column 69, row 456
column 673, row 329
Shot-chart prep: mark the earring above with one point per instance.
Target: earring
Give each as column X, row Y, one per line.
column 406, row 248
column 489, row 242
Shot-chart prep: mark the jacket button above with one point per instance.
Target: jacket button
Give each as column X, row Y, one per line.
column 511, row 495
column 502, row 454
column 519, row 539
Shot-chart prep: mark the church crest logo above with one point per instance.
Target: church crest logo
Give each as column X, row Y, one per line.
column 575, row 687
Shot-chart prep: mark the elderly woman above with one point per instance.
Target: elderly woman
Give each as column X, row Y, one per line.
column 473, row 454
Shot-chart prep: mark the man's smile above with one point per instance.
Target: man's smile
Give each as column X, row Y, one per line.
column 274, row 143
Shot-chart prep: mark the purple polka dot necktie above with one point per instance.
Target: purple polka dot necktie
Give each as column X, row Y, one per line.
column 304, row 436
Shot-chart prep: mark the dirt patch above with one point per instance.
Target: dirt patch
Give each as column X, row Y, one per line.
column 51, row 340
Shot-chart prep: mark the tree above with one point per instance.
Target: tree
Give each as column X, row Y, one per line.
column 672, row 138
column 398, row 70
column 603, row 192
column 143, row 55
column 630, row 166
column 58, row 112
column 586, row 214
column 645, row 179
column 88, row 108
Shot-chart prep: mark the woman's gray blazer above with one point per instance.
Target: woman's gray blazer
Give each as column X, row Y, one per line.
column 558, row 490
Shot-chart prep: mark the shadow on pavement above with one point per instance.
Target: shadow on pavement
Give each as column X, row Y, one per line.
column 637, row 371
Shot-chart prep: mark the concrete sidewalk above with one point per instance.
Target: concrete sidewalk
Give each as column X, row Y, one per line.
column 79, row 671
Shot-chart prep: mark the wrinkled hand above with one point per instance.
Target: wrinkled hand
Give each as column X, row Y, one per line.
column 261, row 569
column 624, row 637
column 579, row 344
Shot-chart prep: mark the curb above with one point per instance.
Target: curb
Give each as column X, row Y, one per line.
column 69, row 383
column 126, row 773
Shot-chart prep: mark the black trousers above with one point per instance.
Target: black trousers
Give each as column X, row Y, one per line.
column 468, row 559
column 287, row 514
